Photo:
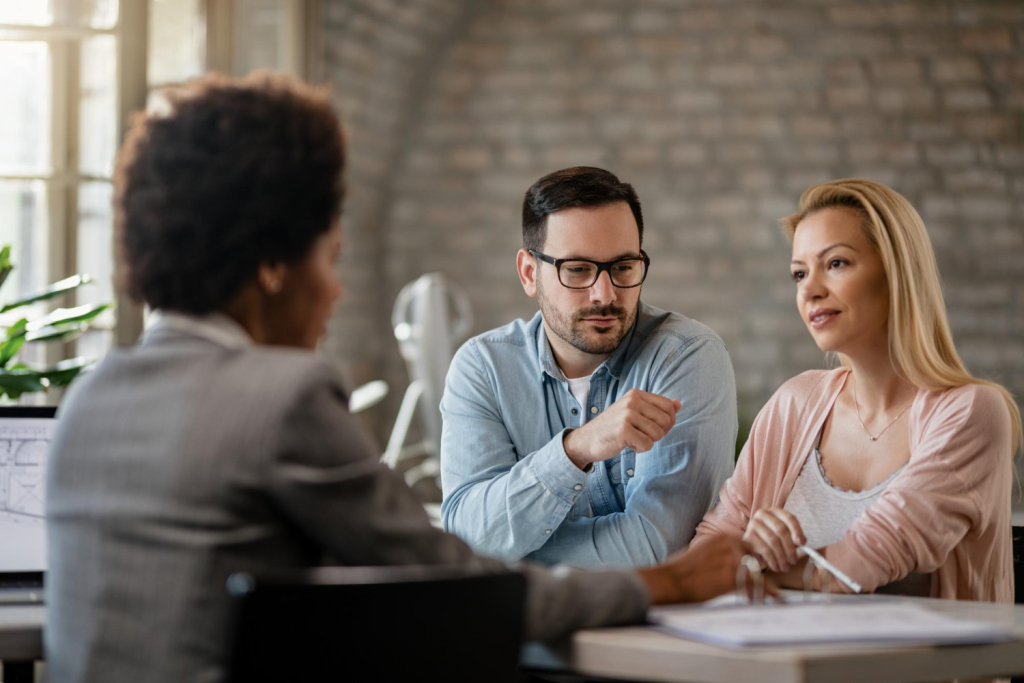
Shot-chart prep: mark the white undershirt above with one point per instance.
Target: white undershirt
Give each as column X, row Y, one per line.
column 580, row 388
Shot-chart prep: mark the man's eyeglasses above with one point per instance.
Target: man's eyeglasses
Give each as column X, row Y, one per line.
column 582, row 273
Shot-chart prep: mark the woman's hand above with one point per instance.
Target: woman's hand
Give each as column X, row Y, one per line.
column 774, row 535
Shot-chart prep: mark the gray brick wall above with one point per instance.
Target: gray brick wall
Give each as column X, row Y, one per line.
column 720, row 113
column 378, row 55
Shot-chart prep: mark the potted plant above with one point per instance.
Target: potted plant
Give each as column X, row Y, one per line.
column 62, row 324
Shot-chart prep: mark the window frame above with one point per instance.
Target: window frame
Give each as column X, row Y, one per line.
column 300, row 56
column 64, row 38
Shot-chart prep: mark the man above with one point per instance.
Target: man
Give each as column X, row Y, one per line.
column 597, row 433
column 221, row 443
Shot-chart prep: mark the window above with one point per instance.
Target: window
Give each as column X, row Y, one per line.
column 71, row 72
column 61, row 118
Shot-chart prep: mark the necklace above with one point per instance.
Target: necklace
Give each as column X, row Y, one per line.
column 856, row 404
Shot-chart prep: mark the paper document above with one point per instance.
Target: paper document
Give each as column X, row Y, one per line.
column 788, row 597
column 884, row 623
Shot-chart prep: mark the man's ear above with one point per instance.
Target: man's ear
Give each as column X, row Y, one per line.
column 527, row 267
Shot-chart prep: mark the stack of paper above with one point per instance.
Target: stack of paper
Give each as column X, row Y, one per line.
column 884, row 622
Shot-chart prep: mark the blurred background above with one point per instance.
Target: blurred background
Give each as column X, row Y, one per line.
column 719, row 113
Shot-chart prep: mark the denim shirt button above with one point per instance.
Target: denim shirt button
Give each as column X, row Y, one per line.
column 575, row 412
column 629, row 472
column 577, row 487
column 547, row 531
column 593, row 410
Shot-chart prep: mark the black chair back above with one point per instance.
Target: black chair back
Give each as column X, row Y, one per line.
column 1018, row 573
column 377, row 624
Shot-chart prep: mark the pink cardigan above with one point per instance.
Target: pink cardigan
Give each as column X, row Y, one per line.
column 947, row 512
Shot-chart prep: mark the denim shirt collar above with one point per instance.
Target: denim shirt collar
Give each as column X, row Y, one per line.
column 613, row 364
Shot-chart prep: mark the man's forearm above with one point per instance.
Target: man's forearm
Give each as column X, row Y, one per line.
column 514, row 513
column 621, row 539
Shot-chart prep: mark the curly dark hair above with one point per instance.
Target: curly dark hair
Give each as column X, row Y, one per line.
column 569, row 187
column 240, row 172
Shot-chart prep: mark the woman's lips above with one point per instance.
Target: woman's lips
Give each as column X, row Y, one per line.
column 820, row 319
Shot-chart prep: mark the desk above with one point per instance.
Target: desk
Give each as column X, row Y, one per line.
column 21, row 640
column 641, row 653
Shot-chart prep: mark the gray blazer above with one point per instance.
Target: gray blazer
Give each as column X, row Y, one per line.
column 197, row 454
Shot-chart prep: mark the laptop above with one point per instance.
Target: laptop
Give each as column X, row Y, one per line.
column 25, row 436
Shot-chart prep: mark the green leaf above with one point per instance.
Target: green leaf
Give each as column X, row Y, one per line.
column 62, row 373
column 5, row 264
column 17, row 329
column 63, row 316
column 14, row 383
column 15, row 340
column 61, row 333
column 10, row 347
column 54, row 290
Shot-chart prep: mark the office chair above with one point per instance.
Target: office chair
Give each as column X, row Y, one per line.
column 1018, row 574
column 377, row 624
column 1018, row 564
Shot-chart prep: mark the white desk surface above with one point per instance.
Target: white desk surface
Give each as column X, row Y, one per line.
column 641, row 653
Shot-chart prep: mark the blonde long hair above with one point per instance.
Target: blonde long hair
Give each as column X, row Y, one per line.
column 920, row 341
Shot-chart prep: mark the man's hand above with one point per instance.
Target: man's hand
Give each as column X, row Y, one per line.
column 638, row 420
column 707, row 571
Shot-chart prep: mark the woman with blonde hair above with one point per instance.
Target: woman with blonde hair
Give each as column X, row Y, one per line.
column 898, row 465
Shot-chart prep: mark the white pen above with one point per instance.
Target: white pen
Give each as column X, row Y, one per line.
column 820, row 560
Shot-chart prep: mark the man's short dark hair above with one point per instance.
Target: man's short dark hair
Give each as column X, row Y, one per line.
column 570, row 187
column 240, row 172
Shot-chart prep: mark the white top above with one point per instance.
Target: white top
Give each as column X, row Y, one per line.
column 826, row 511
column 580, row 389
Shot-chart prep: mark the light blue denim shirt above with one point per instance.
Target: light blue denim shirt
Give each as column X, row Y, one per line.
column 512, row 492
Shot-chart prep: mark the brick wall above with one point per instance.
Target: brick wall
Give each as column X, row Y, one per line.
column 720, row 113
column 378, row 55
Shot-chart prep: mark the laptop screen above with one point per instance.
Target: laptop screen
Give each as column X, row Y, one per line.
column 25, row 435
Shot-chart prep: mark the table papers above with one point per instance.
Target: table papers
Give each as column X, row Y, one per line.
column 887, row 622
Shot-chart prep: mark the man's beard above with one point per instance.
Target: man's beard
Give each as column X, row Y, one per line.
column 573, row 330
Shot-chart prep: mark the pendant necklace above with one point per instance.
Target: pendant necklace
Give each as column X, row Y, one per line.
column 856, row 404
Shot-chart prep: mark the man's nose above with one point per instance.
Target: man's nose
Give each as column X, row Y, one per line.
column 602, row 291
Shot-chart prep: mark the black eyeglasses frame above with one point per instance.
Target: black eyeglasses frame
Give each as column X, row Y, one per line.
column 602, row 266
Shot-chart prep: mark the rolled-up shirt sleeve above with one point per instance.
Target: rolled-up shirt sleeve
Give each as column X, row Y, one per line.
column 504, row 505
